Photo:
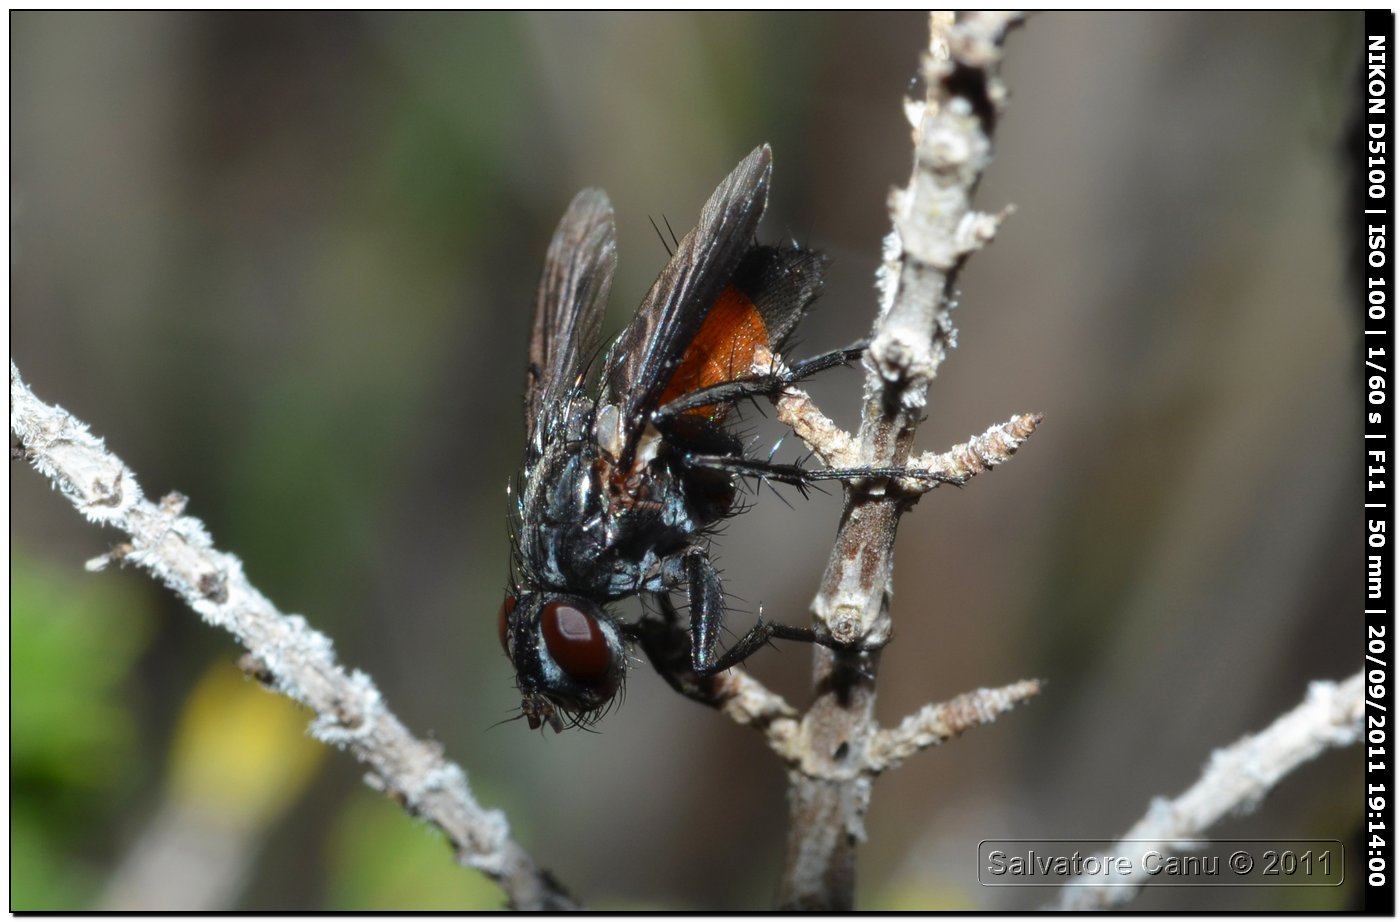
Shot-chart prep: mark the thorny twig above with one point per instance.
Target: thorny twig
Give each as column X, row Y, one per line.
column 1236, row 779
column 285, row 653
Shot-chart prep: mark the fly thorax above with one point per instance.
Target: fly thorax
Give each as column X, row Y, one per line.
column 564, row 516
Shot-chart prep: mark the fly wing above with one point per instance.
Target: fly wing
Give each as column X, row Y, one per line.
column 573, row 293
column 642, row 360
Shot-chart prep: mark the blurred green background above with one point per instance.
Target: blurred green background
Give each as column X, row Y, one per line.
column 284, row 263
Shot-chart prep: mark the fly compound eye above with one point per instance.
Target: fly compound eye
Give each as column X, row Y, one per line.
column 576, row 643
column 503, row 622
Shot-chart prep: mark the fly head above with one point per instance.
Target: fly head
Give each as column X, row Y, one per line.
column 569, row 657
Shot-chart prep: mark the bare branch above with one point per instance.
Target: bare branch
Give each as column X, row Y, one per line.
column 936, row 723
column 935, row 229
column 1236, row 780
column 285, row 651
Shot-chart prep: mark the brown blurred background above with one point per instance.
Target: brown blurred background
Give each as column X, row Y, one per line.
column 284, row 263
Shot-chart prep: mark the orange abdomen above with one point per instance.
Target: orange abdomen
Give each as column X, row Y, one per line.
column 724, row 349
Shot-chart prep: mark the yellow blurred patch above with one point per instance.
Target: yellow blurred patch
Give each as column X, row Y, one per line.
column 241, row 752
column 905, row 895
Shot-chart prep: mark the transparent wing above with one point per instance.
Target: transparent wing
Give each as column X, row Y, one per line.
column 578, row 272
column 643, row 358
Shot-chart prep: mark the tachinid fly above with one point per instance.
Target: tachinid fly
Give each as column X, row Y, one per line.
column 620, row 490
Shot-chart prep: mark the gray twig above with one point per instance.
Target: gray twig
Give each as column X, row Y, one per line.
column 937, row 723
column 935, row 229
column 286, row 653
column 1236, row 780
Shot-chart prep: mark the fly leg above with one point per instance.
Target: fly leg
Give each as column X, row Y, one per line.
column 798, row 476
column 760, row 635
column 666, row 643
column 706, row 607
column 686, row 660
column 757, row 385
column 707, row 617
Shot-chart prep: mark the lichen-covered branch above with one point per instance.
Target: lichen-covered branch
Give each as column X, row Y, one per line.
column 834, row 446
column 746, row 701
column 286, row 653
column 980, row 453
column 935, row 229
column 1236, row 780
column 937, row 723
column 935, row 226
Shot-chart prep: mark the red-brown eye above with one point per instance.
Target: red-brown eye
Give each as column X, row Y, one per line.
column 576, row 642
column 503, row 621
